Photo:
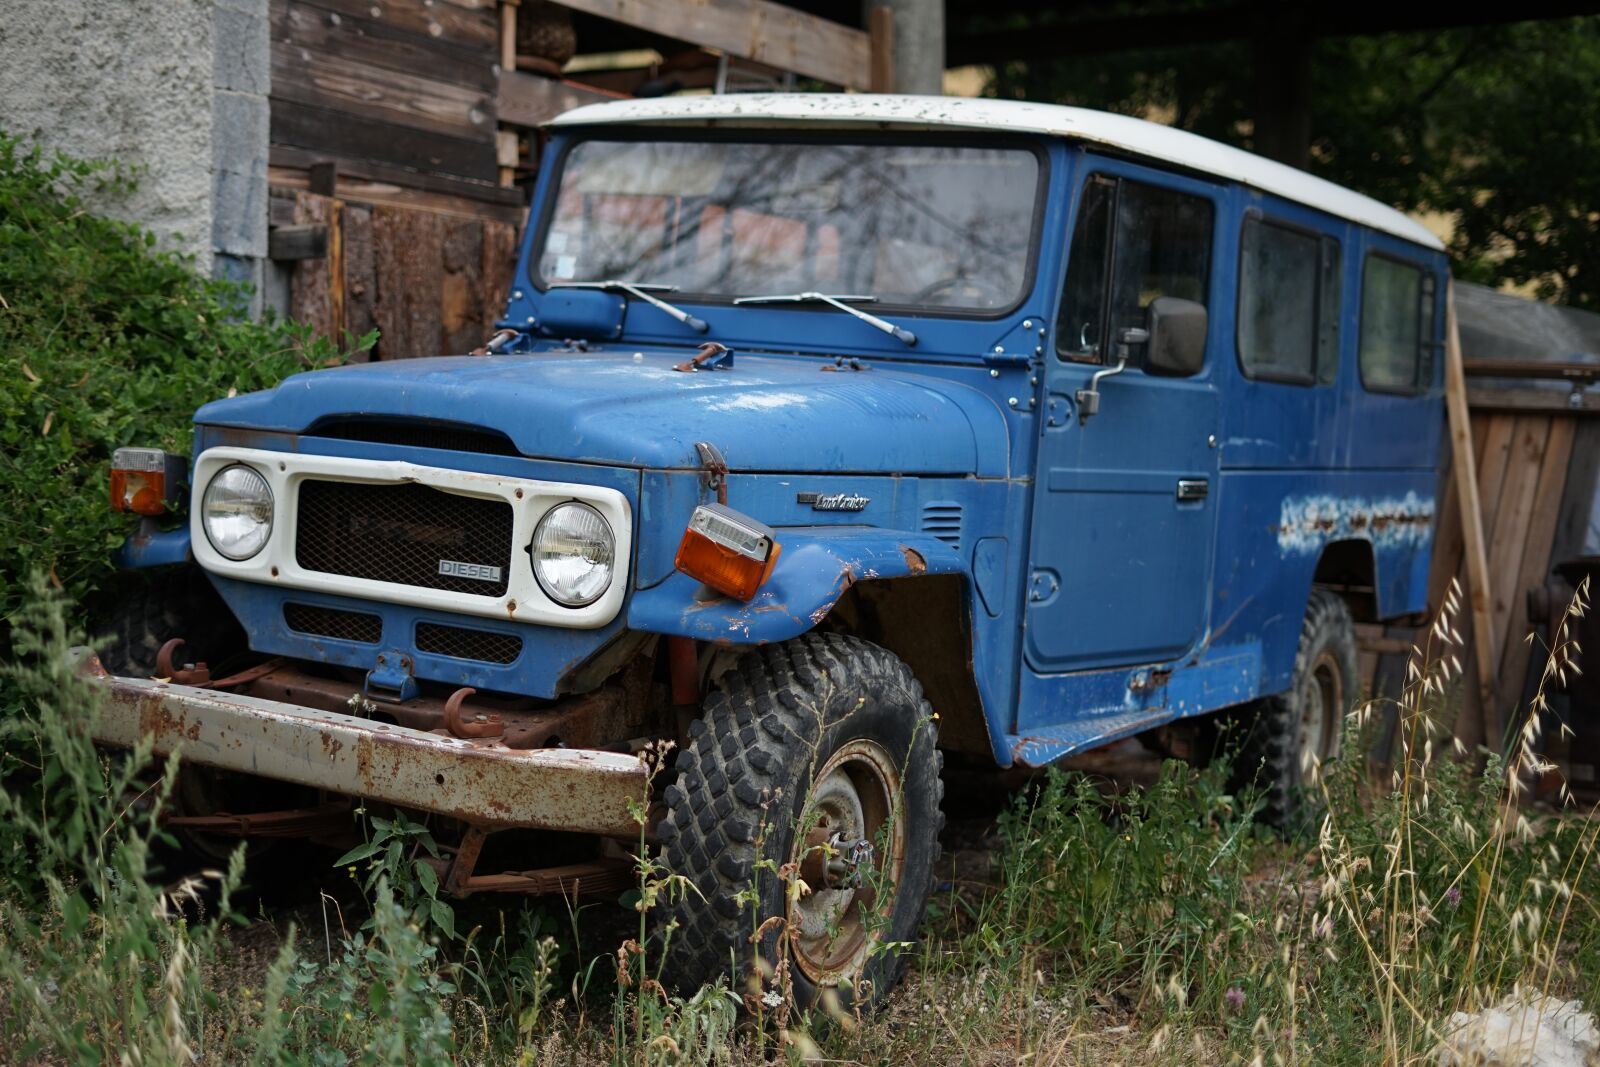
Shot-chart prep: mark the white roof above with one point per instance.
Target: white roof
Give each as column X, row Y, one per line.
column 1132, row 135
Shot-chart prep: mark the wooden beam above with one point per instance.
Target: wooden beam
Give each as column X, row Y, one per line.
column 309, row 241
column 339, row 135
column 508, row 34
column 531, row 101
column 1503, row 398
column 1566, row 370
column 507, row 155
column 766, row 32
column 880, row 34
column 360, row 182
column 1464, row 463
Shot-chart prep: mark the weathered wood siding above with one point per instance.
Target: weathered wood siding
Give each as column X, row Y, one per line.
column 388, row 89
column 430, row 283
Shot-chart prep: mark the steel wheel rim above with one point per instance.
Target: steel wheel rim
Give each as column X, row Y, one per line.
column 855, row 798
column 1321, row 702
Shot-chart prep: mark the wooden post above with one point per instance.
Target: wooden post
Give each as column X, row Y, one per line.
column 1463, row 461
column 880, row 29
column 508, row 34
column 507, row 171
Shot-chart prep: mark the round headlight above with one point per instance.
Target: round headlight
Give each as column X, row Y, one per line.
column 573, row 553
column 236, row 512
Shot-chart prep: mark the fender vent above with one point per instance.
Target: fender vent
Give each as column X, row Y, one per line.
column 485, row 646
column 331, row 622
column 942, row 519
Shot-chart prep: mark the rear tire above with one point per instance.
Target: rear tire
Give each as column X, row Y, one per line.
column 806, row 750
column 1285, row 735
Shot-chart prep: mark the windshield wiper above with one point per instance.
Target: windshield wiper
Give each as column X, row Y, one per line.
column 899, row 333
column 642, row 291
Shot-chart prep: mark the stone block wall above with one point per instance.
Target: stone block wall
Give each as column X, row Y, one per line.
column 177, row 89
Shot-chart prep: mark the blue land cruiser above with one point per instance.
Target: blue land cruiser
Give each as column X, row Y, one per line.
column 823, row 436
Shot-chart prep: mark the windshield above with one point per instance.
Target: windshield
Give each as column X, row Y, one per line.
column 940, row 226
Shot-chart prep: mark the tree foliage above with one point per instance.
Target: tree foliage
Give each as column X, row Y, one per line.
column 1497, row 127
column 105, row 341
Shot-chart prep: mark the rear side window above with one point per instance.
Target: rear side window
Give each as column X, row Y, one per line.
column 1133, row 242
column 1397, row 310
column 1288, row 304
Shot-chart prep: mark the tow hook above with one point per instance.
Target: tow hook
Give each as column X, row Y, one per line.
column 479, row 725
column 188, row 674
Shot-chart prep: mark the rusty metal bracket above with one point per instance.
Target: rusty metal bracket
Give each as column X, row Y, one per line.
column 716, row 468
column 596, row 876
column 293, row 822
column 712, row 356
column 843, row 363
column 496, row 344
column 465, row 860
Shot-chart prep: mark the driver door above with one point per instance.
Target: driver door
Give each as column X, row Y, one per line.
column 1124, row 507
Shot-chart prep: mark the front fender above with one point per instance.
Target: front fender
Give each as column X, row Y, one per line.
column 817, row 564
column 150, row 547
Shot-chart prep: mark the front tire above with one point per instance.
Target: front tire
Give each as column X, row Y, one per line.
column 815, row 763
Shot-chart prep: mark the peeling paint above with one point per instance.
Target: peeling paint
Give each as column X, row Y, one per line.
column 758, row 402
column 1306, row 523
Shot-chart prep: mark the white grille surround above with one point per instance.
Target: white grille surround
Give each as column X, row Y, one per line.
column 529, row 499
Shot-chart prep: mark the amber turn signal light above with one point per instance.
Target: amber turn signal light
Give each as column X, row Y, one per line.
column 145, row 480
column 730, row 552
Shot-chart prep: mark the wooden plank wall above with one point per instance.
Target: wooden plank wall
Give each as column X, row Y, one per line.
column 398, row 92
column 431, row 284
column 1522, row 459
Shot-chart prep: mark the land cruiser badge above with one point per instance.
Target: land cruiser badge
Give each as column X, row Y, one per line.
column 478, row 572
column 833, row 501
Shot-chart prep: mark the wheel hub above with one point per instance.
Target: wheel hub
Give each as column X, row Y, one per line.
column 1321, row 704
column 849, row 860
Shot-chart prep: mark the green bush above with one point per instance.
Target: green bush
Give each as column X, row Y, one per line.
column 105, row 341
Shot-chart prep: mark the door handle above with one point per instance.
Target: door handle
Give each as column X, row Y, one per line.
column 1193, row 488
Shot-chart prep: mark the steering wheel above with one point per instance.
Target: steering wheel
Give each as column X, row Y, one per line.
column 986, row 290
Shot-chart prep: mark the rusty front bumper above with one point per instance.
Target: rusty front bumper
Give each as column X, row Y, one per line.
column 481, row 782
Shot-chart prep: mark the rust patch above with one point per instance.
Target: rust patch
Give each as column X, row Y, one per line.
column 914, row 560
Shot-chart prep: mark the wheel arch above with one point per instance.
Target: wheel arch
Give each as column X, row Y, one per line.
column 1349, row 568
column 908, row 592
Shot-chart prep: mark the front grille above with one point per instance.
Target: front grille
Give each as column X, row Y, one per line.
column 418, row 433
column 486, row 646
column 332, row 622
column 402, row 533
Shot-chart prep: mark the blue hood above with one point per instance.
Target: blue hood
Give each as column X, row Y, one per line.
column 765, row 414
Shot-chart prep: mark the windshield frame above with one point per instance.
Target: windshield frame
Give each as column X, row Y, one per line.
column 574, row 136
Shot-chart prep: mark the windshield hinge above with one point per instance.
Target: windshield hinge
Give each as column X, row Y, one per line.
column 999, row 357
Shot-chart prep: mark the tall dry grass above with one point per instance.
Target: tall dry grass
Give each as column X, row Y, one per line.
column 1158, row 926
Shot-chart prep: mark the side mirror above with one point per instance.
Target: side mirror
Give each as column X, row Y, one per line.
column 1177, row 336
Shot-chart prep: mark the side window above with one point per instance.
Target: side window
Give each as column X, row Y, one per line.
column 1288, row 304
column 1133, row 243
column 1397, row 309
